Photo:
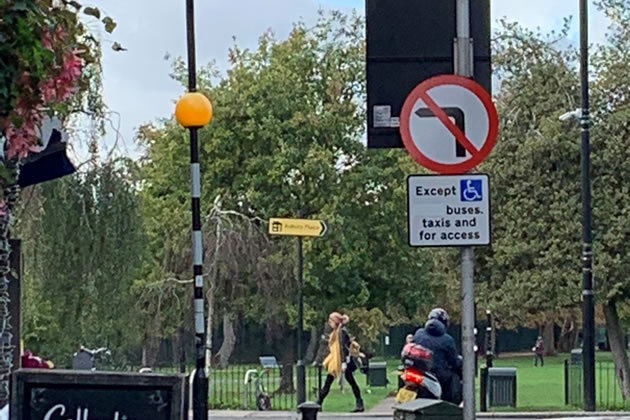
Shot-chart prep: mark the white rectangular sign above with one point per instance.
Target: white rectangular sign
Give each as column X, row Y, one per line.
column 448, row 210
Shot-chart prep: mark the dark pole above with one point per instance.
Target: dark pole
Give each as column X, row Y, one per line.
column 483, row 390
column 200, row 380
column 489, row 352
column 301, row 374
column 566, row 382
column 588, row 310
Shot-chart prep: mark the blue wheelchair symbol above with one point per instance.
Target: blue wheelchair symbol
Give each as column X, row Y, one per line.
column 471, row 190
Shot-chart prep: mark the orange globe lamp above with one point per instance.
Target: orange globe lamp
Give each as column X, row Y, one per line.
column 193, row 110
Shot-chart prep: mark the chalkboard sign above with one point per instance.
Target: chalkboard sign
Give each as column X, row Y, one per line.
column 78, row 395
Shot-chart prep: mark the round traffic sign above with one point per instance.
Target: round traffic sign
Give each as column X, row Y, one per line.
column 449, row 124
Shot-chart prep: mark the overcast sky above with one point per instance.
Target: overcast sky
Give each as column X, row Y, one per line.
column 137, row 83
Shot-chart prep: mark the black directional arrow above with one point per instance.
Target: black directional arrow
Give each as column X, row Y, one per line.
column 456, row 114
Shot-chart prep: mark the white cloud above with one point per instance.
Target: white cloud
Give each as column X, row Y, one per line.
column 549, row 14
column 137, row 82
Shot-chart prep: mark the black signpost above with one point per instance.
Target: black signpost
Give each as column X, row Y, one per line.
column 409, row 41
column 62, row 395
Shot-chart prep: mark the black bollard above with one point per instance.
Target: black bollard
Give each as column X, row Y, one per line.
column 308, row 410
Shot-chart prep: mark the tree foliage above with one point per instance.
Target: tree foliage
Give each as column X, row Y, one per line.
column 285, row 142
column 49, row 66
column 48, row 60
column 531, row 273
column 85, row 244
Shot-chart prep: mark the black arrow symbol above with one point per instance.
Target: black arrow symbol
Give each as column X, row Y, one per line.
column 455, row 113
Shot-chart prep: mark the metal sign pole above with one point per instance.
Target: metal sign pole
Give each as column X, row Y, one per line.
column 464, row 67
column 301, row 369
column 588, row 311
column 300, row 228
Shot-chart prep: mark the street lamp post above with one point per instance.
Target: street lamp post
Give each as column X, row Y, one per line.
column 588, row 310
column 194, row 111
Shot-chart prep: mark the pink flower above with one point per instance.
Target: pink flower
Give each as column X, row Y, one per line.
column 48, row 91
column 47, row 41
column 54, row 37
column 23, row 140
column 64, row 84
column 73, row 64
column 60, row 33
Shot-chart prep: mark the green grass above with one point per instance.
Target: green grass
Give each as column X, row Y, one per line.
column 542, row 388
column 538, row 388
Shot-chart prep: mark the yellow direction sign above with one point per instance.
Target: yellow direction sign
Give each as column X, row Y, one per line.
column 297, row 227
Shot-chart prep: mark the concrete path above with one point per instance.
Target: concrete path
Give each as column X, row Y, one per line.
column 384, row 406
column 372, row 415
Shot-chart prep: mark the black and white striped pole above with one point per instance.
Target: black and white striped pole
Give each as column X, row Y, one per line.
column 194, row 111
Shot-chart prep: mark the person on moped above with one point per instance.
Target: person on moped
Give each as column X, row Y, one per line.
column 447, row 365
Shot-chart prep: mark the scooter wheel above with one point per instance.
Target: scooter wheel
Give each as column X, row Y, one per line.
column 263, row 403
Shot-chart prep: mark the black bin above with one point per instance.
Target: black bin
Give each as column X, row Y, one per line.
column 377, row 374
column 424, row 409
column 502, row 387
column 308, row 410
column 576, row 356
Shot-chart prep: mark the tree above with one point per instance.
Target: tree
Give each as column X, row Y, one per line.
column 525, row 277
column 610, row 172
column 286, row 120
column 285, row 143
column 47, row 58
column 367, row 255
column 531, row 274
column 86, row 242
column 535, row 184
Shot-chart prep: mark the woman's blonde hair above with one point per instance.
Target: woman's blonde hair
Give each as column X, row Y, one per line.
column 338, row 318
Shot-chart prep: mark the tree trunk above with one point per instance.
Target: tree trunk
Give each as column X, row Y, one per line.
column 212, row 291
column 549, row 339
column 567, row 335
column 493, row 335
column 181, row 343
column 209, row 320
column 311, row 349
column 11, row 195
column 229, row 340
column 286, row 381
column 150, row 350
column 617, row 340
column 286, row 347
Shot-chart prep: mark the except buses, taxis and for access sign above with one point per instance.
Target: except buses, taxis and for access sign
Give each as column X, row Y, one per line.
column 449, row 210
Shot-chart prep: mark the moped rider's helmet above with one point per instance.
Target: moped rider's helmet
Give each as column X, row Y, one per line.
column 439, row 314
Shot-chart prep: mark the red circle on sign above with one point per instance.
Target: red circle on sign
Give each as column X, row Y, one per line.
column 420, row 92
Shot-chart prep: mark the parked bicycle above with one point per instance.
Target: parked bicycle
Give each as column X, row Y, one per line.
column 263, row 399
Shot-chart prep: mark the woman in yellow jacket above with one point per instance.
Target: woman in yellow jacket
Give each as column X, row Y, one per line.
column 339, row 361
